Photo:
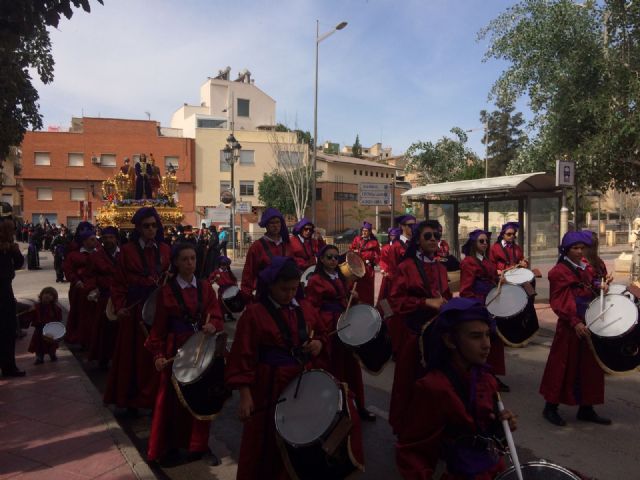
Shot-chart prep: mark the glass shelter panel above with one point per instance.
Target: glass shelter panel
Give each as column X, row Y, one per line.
column 544, row 227
column 501, row 212
column 444, row 213
column 470, row 216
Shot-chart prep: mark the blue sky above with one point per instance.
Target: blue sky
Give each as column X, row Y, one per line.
column 401, row 71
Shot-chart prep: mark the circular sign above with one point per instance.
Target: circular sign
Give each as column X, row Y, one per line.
column 226, row 197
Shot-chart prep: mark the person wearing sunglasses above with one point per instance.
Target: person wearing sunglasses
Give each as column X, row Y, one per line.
column 366, row 245
column 385, row 253
column 405, row 223
column 142, row 266
column 419, row 288
column 328, row 291
column 302, row 244
column 506, row 252
column 478, row 276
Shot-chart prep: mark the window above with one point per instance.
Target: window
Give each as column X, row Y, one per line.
column 72, row 222
column 76, row 160
column 42, row 217
column 355, row 172
column 108, row 160
column 224, row 166
column 289, row 159
column 171, row 161
column 210, row 123
column 45, row 193
column 360, row 172
column 135, row 159
column 243, row 108
column 225, row 185
column 345, row 196
column 78, row 194
column 247, row 157
column 366, row 174
column 318, row 193
column 246, row 188
column 376, row 174
column 42, row 158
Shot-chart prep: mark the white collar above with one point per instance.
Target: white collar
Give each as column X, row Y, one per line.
column 424, row 258
column 479, row 257
column 505, row 243
column 116, row 252
column 84, row 250
column 404, row 239
column 332, row 276
column 294, row 303
column 184, row 284
column 143, row 244
column 269, row 239
column 582, row 265
column 302, row 239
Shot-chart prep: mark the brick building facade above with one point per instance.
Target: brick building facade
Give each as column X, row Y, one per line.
column 63, row 168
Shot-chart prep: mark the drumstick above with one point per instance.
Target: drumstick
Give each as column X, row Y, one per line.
column 509, row 437
column 599, row 316
column 199, row 350
column 351, row 297
column 497, row 293
column 339, row 329
column 268, row 406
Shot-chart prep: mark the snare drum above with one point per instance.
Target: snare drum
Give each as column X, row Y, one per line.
column 353, row 266
column 149, row 308
column 616, row 333
column 53, row 332
column 198, row 375
column 315, row 426
column 506, row 301
column 306, row 275
column 538, row 470
column 362, row 329
column 232, row 300
column 620, row 289
column 519, row 276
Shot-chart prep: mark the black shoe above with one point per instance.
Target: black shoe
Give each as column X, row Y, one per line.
column 502, row 387
column 552, row 416
column 171, row 459
column 590, row 415
column 14, row 373
column 366, row 415
column 39, row 361
column 54, row 357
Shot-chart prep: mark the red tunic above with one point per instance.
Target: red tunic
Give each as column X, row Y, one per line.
column 369, row 250
column 438, row 417
column 504, row 257
column 385, row 283
column 224, row 279
column 302, row 252
column 572, row 376
column 76, row 267
column 133, row 379
column 250, row 365
column 257, row 260
column 103, row 336
column 330, row 298
column 443, row 249
column 172, row 425
column 42, row 315
column 408, row 293
column 396, row 255
column 477, row 279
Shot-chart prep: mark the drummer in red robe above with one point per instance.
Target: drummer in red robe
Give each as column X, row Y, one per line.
column 420, row 287
column 46, row 310
column 224, row 278
column 596, row 266
column 443, row 246
column 275, row 242
column 478, row 276
column 572, row 375
column 185, row 305
column 453, row 405
column 506, row 252
column 77, row 270
column 406, row 223
column 366, row 245
column 103, row 269
column 301, row 244
column 142, row 265
column 385, row 268
column 328, row 291
column 273, row 344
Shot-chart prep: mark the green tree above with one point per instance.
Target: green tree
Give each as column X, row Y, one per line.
column 579, row 65
column 448, row 159
column 25, row 45
column 274, row 191
column 356, row 149
column 504, row 136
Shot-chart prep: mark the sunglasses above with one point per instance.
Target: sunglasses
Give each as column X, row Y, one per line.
column 509, row 234
column 150, row 225
column 307, row 228
column 482, row 241
column 331, row 257
column 430, row 235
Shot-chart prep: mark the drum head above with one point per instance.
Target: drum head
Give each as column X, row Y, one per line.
column 620, row 316
column 305, row 419
column 149, row 308
column 617, row 289
column 511, row 301
column 230, row 292
column 307, row 274
column 539, row 470
column 110, row 312
column 194, row 358
column 54, row 330
column 518, row 276
column 355, row 264
column 360, row 325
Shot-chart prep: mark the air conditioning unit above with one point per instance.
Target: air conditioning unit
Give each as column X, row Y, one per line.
column 95, row 160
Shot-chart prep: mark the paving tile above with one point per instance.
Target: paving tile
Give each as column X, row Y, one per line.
column 50, row 473
column 18, row 435
column 123, row 472
column 95, row 461
column 12, row 465
column 67, row 446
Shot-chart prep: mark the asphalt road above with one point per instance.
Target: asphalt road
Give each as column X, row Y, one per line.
column 596, row 451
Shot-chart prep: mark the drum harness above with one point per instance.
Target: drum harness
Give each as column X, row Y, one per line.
column 187, row 317
column 267, row 249
column 294, row 351
column 414, row 320
column 145, row 266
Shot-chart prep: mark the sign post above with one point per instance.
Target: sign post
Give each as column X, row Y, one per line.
column 565, row 177
column 374, row 194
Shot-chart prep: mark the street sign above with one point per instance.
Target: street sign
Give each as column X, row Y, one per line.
column 243, row 207
column 226, row 197
column 565, row 173
column 218, row 214
column 373, row 194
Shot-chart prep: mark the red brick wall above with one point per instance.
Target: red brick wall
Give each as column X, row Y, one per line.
column 123, row 138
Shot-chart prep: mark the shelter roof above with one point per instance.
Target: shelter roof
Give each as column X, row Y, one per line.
column 351, row 160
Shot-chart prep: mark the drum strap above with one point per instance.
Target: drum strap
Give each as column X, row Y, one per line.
column 143, row 259
column 284, row 329
column 510, row 261
column 303, row 244
column 267, row 249
column 484, row 269
column 186, row 314
column 580, row 283
column 423, row 274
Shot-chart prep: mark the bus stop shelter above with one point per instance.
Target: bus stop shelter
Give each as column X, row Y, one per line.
column 532, row 199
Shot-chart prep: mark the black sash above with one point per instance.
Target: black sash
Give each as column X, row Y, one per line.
column 268, row 251
column 423, row 275
column 506, row 254
column 143, row 259
column 187, row 317
column 579, row 283
column 285, row 331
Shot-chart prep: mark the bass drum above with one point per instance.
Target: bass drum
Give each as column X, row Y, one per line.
column 149, row 308
column 539, row 470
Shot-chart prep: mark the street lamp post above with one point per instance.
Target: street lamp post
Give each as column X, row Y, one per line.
column 319, row 38
column 231, row 153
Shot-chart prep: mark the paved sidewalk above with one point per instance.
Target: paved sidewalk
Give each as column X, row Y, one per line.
column 54, row 426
